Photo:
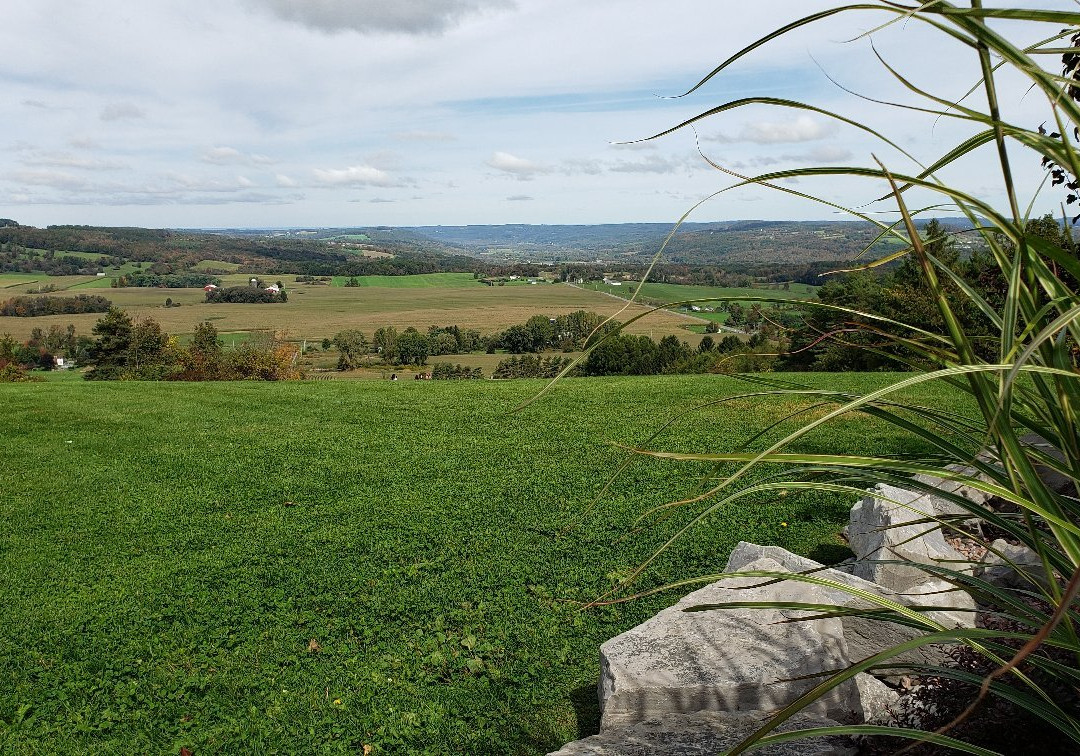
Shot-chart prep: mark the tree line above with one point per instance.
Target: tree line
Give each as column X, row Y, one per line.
column 32, row 307
column 125, row 349
column 835, row 340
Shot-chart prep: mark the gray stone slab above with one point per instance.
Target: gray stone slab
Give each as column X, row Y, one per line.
column 726, row 660
column 884, row 526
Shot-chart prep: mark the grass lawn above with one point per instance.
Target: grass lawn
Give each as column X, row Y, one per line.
column 319, row 566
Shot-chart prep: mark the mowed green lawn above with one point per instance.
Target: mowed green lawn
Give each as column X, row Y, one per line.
column 315, row 567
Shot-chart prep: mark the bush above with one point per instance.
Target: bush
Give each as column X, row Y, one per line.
column 1025, row 382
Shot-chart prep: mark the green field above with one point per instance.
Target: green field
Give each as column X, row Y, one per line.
column 663, row 293
column 421, row 281
column 320, row 566
column 10, row 280
column 314, row 312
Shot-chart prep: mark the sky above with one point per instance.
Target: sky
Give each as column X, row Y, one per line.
column 333, row 113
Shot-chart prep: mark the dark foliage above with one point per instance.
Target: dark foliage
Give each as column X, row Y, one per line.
column 31, row 307
column 244, row 295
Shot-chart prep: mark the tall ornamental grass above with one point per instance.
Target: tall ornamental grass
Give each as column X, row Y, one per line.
column 1023, row 380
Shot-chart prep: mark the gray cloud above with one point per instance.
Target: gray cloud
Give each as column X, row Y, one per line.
column 802, row 128
column 519, row 198
column 404, row 16
column 51, row 178
column 120, row 111
column 67, row 160
column 650, row 164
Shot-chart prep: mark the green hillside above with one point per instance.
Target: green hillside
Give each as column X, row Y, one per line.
column 242, row 568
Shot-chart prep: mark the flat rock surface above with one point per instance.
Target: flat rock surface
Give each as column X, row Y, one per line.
column 726, row 659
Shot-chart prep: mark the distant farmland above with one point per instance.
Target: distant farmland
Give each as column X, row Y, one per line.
column 318, row 311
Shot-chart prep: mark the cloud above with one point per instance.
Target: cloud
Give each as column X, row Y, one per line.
column 519, row 198
column 198, row 184
column 424, row 136
column 829, row 154
column 285, row 181
column 84, row 143
column 381, row 200
column 364, row 16
column 516, row 166
column 67, row 160
column 53, row 179
column 120, row 111
column 582, row 165
column 650, row 164
column 355, row 175
column 802, row 128
column 233, row 156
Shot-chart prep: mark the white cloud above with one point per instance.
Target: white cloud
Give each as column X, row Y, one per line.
column 355, row 175
column 519, row 198
column 121, row 111
column 802, row 128
column 406, row 16
column 285, row 181
column 203, row 184
column 233, row 156
column 222, row 155
column 516, row 166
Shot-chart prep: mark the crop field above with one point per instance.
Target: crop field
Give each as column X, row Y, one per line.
column 315, row 312
column 662, row 293
column 419, row 281
column 324, row 566
column 13, row 280
column 666, row 293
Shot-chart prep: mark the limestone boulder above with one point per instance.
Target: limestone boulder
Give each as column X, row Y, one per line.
column 884, row 526
column 866, row 637
column 1017, row 566
column 704, row 733
column 942, row 506
column 729, row 659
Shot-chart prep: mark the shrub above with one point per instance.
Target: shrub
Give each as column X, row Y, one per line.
column 1027, row 384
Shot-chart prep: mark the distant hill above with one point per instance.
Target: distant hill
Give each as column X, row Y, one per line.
column 719, row 243
column 732, row 245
